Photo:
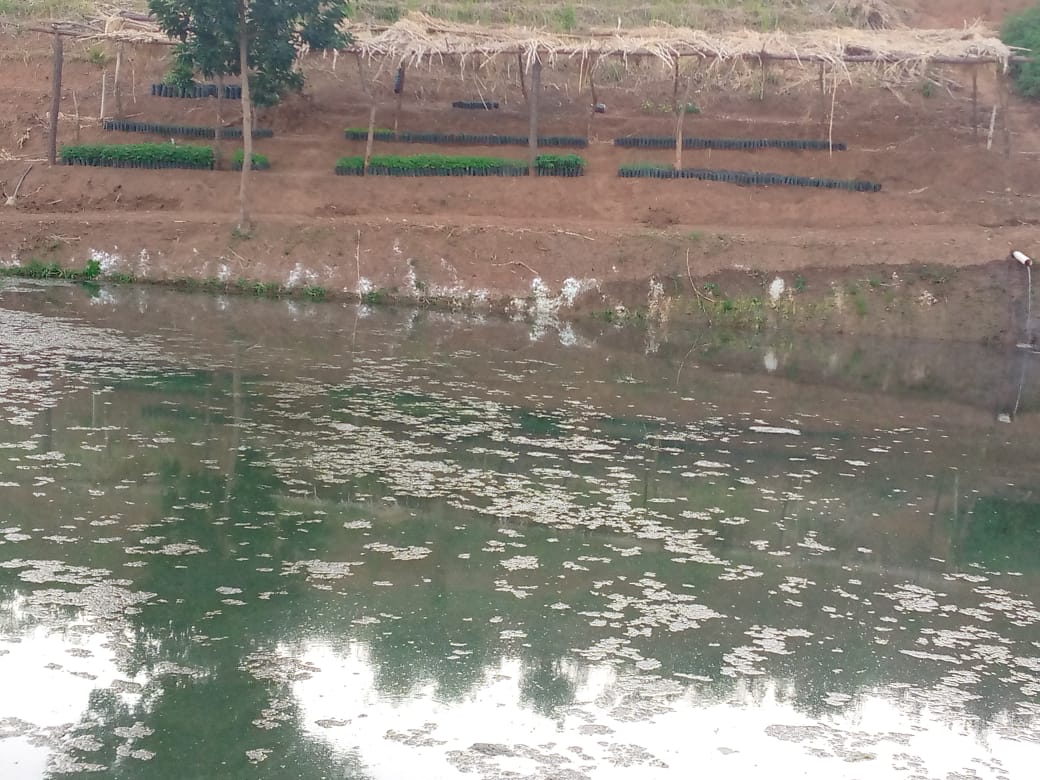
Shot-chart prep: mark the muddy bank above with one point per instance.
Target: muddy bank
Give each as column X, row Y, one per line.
column 954, row 285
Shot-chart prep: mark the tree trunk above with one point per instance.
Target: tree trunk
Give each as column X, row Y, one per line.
column 534, row 99
column 59, row 58
column 244, row 221
column 218, row 131
column 370, row 139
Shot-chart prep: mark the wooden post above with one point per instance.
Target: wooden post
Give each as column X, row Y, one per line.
column 975, row 103
column 523, row 86
column 371, row 135
column 1002, row 83
column 400, row 96
column 535, row 96
column 75, row 105
column 823, row 99
column 104, row 84
column 59, row 60
column 218, row 131
column 371, row 112
column 245, row 222
column 765, row 75
column 592, row 90
column 680, row 112
column 117, row 90
column 830, row 125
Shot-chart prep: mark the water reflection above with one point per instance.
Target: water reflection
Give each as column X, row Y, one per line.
column 240, row 541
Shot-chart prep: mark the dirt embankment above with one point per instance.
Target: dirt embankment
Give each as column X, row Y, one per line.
column 597, row 243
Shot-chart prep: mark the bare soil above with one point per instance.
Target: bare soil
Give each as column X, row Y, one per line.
column 947, row 201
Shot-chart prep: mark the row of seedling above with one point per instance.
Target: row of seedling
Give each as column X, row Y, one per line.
column 464, row 139
column 652, row 171
column 138, row 155
column 196, row 91
column 729, row 144
column 186, row 131
column 477, row 105
column 448, row 165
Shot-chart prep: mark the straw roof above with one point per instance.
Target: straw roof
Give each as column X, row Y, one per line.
column 418, row 37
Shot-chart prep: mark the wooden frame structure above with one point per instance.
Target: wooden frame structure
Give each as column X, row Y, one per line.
column 418, row 38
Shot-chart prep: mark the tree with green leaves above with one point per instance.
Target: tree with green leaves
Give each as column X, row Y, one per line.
column 1023, row 30
column 257, row 40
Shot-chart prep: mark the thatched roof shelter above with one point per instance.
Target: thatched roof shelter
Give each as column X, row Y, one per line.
column 418, row 37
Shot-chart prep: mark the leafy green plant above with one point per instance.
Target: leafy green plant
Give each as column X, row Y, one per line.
column 641, row 169
column 37, row 270
column 260, row 161
column 566, row 18
column 180, row 75
column 361, row 134
column 138, row 155
column 96, row 55
column 315, row 293
column 1023, row 30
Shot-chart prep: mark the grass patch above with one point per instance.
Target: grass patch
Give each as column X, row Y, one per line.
column 37, row 270
column 572, row 17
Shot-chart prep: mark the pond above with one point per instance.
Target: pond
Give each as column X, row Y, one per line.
column 245, row 539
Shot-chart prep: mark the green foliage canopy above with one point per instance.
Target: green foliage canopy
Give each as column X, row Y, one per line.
column 1023, row 30
column 276, row 32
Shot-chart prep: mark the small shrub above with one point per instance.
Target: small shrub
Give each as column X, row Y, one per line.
column 96, row 55
column 260, row 161
column 566, row 18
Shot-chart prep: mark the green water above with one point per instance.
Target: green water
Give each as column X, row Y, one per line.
column 262, row 539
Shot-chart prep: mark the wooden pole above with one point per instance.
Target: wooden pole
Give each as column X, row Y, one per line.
column 1002, row 81
column 218, row 131
column 244, row 219
column 830, row 126
column 116, row 87
column 765, row 75
column 370, row 139
column 59, row 59
column 679, row 113
column 592, row 90
column 823, row 98
column 400, row 97
column 371, row 135
column 535, row 96
column 975, row 103
column 104, row 84
column 523, row 85
column 75, row 105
